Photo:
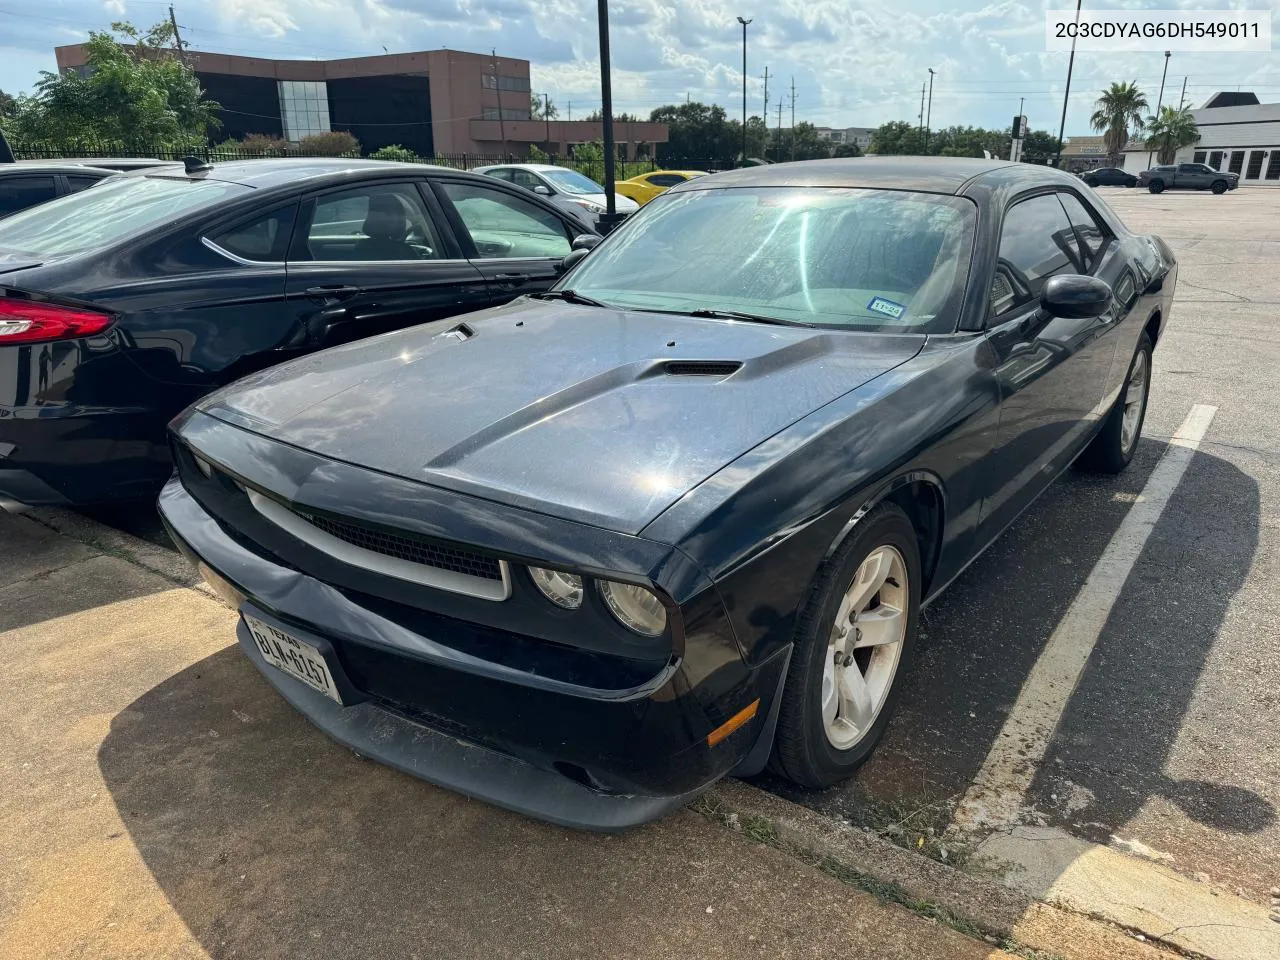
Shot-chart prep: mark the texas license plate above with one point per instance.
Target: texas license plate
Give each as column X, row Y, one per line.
column 293, row 656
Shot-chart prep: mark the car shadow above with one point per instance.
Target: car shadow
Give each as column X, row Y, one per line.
column 980, row 639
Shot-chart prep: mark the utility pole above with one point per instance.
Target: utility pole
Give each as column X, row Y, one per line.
column 1062, row 126
column 744, row 89
column 546, row 116
column 765, row 112
column 1159, row 99
column 610, row 218
column 928, row 117
column 793, row 118
column 920, row 129
column 177, row 37
column 497, row 85
column 1182, row 100
column 778, row 137
column 570, row 106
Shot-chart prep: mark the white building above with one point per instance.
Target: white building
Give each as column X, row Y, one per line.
column 1237, row 134
column 860, row 136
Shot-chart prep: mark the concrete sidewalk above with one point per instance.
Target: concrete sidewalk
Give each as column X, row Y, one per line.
column 161, row 801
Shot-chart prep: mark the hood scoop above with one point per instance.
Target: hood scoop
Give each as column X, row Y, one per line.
column 701, row 368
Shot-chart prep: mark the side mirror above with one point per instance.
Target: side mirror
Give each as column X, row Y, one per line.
column 542, row 189
column 584, row 241
column 572, row 259
column 1076, row 297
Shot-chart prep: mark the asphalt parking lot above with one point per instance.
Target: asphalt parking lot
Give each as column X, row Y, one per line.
column 1166, row 747
column 163, row 801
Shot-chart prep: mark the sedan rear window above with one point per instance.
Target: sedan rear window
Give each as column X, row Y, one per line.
column 825, row 256
column 117, row 208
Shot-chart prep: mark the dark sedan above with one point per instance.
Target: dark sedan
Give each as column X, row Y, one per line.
column 26, row 184
column 1108, row 177
column 771, row 417
column 121, row 305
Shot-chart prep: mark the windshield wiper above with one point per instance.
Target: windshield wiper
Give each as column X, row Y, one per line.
column 750, row 317
column 569, row 296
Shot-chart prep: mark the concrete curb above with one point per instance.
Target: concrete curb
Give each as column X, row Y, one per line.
column 163, row 561
column 986, row 903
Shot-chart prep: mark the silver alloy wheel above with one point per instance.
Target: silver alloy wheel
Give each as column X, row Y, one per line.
column 865, row 647
column 1135, row 396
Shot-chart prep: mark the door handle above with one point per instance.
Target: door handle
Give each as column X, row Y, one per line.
column 332, row 291
column 510, row 277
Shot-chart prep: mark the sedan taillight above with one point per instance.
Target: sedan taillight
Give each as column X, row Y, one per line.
column 29, row 321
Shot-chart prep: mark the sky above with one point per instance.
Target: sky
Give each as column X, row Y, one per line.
column 853, row 64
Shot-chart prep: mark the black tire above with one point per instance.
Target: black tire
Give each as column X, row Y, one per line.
column 1219, row 186
column 1156, row 186
column 801, row 749
column 1107, row 453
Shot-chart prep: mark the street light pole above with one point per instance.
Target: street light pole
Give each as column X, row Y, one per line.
column 928, row 117
column 606, row 97
column 1160, row 99
column 744, row 89
column 1057, row 159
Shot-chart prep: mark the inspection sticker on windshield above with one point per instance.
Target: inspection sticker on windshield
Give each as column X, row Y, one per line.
column 887, row 307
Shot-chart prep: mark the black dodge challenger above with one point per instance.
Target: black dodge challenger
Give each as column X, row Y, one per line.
column 585, row 553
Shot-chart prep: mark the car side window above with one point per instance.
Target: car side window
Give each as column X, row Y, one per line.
column 264, row 239
column 506, row 226
column 523, row 178
column 18, row 193
column 1088, row 230
column 380, row 222
column 78, row 183
column 501, row 174
column 1036, row 242
column 665, row 179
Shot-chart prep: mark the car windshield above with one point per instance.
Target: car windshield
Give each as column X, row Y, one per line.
column 571, row 181
column 117, row 207
column 841, row 257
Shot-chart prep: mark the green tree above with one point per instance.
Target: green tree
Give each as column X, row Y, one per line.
column 334, row 143
column 540, row 109
column 897, row 138
column 1169, row 131
column 1118, row 110
column 395, row 152
column 135, row 89
column 8, row 105
column 801, row 142
column 697, row 131
column 846, row 150
column 1039, row 146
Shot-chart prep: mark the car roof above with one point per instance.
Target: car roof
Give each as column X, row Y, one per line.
column 52, row 166
column 281, row 171
column 686, row 173
column 947, row 175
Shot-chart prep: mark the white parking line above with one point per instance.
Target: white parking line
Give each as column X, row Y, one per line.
column 996, row 796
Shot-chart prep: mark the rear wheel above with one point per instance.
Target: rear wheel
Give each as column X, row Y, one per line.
column 1156, row 186
column 853, row 644
column 1219, row 186
column 1114, row 446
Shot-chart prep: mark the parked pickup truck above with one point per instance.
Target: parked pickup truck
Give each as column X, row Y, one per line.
column 1188, row 176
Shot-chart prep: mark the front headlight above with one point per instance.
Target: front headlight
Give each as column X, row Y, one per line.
column 588, row 205
column 635, row 607
column 562, row 589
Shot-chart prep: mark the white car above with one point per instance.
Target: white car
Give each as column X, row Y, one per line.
column 566, row 188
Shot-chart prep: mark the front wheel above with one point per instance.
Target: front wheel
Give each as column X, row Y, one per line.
column 1156, row 186
column 1219, row 186
column 853, row 643
column 1114, row 446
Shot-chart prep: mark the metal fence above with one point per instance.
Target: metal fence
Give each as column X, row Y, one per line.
column 624, row 169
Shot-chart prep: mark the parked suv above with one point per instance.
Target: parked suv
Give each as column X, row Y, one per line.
column 1188, row 176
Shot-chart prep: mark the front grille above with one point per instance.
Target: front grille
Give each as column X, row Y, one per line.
column 409, row 549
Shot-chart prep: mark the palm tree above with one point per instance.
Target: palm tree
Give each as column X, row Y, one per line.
column 1119, row 110
column 1170, row 131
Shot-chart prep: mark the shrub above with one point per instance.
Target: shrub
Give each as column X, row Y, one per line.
column 395, row 152
column 259, row 144
column 335, row 143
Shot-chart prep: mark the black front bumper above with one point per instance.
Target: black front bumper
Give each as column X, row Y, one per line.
column 593, row 759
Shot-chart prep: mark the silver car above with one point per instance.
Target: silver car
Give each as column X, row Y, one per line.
column 568, row 189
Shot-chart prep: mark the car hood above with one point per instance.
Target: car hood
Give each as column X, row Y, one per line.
column 598, row 415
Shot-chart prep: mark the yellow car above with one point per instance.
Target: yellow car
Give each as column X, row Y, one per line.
column 645, row 187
